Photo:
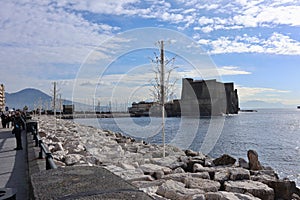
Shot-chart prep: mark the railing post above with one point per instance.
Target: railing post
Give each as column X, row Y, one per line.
column 44, row 151
column 48, row 156
column 33, row 132
column 36, row 140
column 41, row 149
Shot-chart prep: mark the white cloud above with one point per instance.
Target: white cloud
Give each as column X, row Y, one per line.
column 204, row 21
column 259, row 93
column 276, row 44
column 243, row 14
column 270, row 95
column 231, row 70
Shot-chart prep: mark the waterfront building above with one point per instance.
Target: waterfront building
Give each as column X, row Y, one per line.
column 2, row 97
column 198, row 98
column 208, row 97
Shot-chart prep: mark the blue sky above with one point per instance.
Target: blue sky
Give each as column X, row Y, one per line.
column 85, row 45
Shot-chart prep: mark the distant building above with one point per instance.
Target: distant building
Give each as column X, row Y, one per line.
column 208, row 97
column 198, row 98
column 68, row 109
column 2, row 97
column 141, row 109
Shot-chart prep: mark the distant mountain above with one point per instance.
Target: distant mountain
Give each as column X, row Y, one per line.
column 262, row 104
column 32, row 98
column 28, row 97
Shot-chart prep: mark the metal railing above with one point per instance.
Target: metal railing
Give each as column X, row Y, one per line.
column 44, row 151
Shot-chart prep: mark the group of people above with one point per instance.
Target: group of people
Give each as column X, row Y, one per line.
column 16, row 120
column 6, row 119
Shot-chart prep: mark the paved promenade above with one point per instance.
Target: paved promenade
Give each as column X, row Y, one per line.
column 13, row 164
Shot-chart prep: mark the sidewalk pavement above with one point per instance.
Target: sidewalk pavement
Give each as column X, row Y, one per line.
column 13, row 164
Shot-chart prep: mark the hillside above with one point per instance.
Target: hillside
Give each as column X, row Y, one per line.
column 28, row 97
column 32, row 98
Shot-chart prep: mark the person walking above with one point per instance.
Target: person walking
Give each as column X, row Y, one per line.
column 17, row 130
column 3, row 120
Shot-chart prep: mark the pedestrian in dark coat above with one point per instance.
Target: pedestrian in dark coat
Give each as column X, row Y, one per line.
column 3, row 120
column 17, row 130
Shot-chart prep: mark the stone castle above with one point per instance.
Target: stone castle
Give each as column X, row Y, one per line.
column 198, row 98
column 208, row 97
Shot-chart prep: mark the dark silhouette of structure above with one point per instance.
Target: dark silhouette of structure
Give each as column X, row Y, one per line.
column 208, row 97
column 198, row 98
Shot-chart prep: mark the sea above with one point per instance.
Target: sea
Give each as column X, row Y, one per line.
column 273, row 133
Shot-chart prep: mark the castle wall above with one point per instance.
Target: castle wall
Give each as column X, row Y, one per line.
column 208, row 97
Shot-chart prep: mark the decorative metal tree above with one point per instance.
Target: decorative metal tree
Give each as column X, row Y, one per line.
column 163, row 87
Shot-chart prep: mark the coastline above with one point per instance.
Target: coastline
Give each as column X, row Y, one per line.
column 181, row 174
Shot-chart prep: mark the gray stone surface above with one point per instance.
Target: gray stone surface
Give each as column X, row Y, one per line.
column 255, row 188
column 13, row 164
column 202, row 184
column 83, row 182
column 177, row 190
column 222, row 195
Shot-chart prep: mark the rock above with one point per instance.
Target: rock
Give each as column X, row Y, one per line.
column 222, row 195
column 55, row 139
column 181, row 177
column 145, row 184
column 199, row 197
column 79, row 149
column 72, row 159
column 139, row 178
column 254, row 163
column 178, row 170
column 225, row 159
column 283, row 189
column 191, row 153
column 176, row 190
column 130, row 175
column 295, row 197
column 202, row 184
column 198, row 168
column 149, row 187
column 204, row 175
column 255, row 188
column 158, row 197
column 42, row 134
column 191, row 161
column 264, row 176
column 158, row 174
column 93, row 160
column 222, row 176
column 126, row 166
column 169, row 161
column 243, row 163
column 151, row 169
column 239, row 174
column 271, row 173
column 58, row 147
column 59, row 163
column 59, row 155
column 208, row 162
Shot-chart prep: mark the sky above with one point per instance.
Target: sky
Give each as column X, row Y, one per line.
column 103, row 51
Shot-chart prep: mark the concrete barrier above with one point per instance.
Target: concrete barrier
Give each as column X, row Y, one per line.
column 83, row 182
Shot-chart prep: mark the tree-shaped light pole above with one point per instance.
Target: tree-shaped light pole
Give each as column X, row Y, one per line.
column 162, row 88
column 162, row 93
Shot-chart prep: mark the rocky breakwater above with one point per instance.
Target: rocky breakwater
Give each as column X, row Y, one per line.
column 182, row 174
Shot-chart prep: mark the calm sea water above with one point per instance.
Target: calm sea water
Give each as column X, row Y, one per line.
column 273, row 133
